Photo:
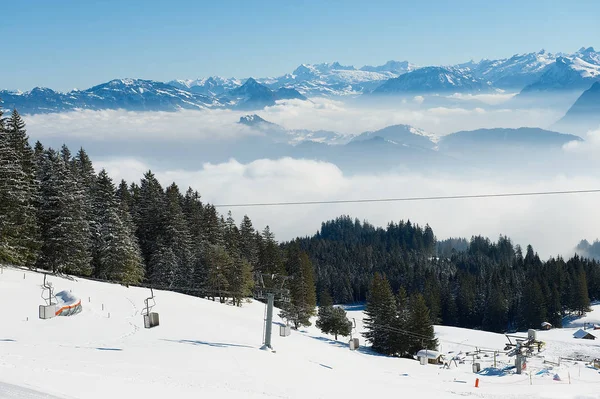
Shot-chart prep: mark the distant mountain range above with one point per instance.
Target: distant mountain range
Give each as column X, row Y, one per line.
column 144, row 95
column 530, row 73
column 399, row 148
column 584, row 115
column 410, row 136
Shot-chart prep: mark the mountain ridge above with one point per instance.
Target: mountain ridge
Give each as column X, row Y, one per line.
column 536, row 72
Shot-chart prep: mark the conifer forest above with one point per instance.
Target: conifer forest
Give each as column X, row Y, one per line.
column 58, row 213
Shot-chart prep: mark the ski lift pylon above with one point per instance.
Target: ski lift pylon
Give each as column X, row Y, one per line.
column 48, row 310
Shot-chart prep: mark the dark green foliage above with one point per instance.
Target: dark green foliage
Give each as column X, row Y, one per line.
column 19, row 233
column 57, row 214
column 476, row 284
column 118, row 254
column 64, row 226
column 301, row 306
column 248, row 242
column 333, row 320
column 218, row 264
column 381, row 314
column 149, row 217
column 420, row 326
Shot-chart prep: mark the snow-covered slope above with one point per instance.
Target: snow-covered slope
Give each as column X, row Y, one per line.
column 129, row 94
column 531, row 72
column 213, row 86
column 206, row 349
column 434, row 80
column 515, row 72
column 404, row 135
column 254, row 95
column 565, row 74
column 334, row 79
column 280, row 134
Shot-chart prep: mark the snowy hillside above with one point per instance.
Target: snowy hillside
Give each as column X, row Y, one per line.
column 206, row 349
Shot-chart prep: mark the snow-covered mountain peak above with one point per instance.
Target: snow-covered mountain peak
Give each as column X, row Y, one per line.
column 254, row 121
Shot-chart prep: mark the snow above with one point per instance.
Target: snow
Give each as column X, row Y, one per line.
column 207, row 349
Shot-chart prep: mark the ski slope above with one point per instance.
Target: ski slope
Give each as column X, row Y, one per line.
column 204, row 348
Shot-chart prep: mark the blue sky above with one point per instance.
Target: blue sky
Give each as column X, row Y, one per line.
column 65, row 44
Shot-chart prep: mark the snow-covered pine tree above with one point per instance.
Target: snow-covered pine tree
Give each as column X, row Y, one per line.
column 239, row 275
column 118, row 252
column 163, row 264
column 177, row 237
column 212, row 229
column 149, row 217
column 85, row 176
column 64, row 225
column 124, row 197
column 19, row 235
column 193, row 210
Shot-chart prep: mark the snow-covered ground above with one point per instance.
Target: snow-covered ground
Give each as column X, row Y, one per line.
column 204, row 349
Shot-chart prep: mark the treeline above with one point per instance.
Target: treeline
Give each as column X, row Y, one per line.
column 488, row 285
column 58, row 214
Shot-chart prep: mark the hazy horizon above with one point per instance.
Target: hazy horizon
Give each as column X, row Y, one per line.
column 171, row 144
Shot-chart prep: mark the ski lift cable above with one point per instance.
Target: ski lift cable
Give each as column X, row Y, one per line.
column 404, row 199
column 420, row 336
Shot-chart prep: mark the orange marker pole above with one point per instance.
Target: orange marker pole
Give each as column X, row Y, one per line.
column 476, row 382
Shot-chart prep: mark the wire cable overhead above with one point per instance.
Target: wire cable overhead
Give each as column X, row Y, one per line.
column 407, row 199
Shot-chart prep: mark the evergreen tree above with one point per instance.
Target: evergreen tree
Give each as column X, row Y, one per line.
column 149, row 217
column 534, row 310
column 248, row 243
column 177, row 237
column 401, row 340
column 380, row 315
column 19, row 141
column 269, row 257
column 118, row 252
column 64, row 226
column 218, row 264
column 419, row 324
column 19, row 234
column 239, row 279
column 581, row 297
column 496, row 309
column 333, row 320
column 303, row 298
column 163, row 264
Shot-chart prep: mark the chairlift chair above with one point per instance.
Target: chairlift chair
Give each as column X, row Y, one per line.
column 150, row 318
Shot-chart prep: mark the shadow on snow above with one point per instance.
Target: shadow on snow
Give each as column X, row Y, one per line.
column 213, row 344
